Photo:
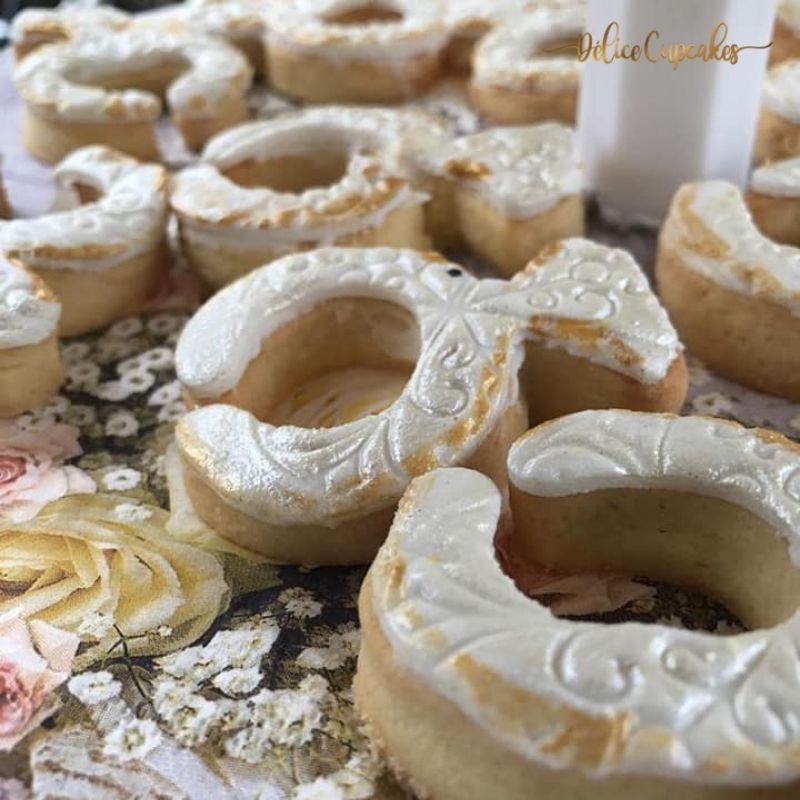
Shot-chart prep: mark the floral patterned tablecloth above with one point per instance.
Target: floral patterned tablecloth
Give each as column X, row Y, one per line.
column 200, row 674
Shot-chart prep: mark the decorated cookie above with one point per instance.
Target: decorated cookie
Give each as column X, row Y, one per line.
column 80, row 91
column 475, row 690
column 328, row 380
column 513, row 191
column 30, row 370
column 33, row 27
column 346, row 51
column 519, row 76
column 108, row 243
column 733, row 294
column 779, row 126
column 774, row 200
column 323, row 176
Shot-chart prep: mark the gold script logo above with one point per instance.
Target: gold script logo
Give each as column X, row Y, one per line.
column 610, row 48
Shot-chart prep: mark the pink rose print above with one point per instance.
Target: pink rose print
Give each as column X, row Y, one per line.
column 35, row 658
column 32, row 469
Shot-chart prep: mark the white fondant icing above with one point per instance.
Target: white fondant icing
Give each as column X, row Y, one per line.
column 778, row 179
column 382, row 146
column 782, row 90
column 731, row 701
column 751, row 264
column 304, row 25
column 513, row 57
column 522, row 171
column 25, row 318
column 33, row 25
column 129, row 217
column 467, row 358
column 581, row 280
column 57, row 80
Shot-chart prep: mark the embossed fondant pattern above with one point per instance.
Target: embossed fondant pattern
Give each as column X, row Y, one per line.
column 471, row 331
column 468, row 357
column 127, row 219
column 689, row 700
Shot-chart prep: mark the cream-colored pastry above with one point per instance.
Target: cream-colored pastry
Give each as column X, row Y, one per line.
column 778, row 134
column 323, row 176
column 240, row 22
column 475, row 690
column 103, row 254
column 774, row 200
column 346, row 51
column 513, row 191
column 30, row 370
column 105, row 90
column 733, row 294
column 33, row 27
column 786, row 37
column 519, row 76
column 468, row 21
column 596, row 335
column 413, row 364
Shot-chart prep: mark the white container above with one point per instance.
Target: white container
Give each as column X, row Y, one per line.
column 645, row 128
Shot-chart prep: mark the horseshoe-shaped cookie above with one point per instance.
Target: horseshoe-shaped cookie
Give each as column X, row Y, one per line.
column 109, row 242
column 105, row 90
column 332, row 378
column 476, row 690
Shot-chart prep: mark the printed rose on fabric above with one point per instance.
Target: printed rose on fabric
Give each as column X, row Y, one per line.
column 32, row 469
column 81, row 561
column 35, row 658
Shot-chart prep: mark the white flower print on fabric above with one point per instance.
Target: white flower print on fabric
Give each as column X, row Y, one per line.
column 121, row 479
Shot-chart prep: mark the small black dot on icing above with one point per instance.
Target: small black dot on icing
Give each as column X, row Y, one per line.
column 455, row 273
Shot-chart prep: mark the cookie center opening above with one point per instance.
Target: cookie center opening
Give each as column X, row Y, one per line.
column 319, row 165
column 368, row 14
column 712, row 563
column 345, row 359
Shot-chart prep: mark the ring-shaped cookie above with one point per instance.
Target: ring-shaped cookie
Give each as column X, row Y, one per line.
column 773, row 198
column 476, row 690
column 279, row 335
column 468, row 21
column 280, row 354
column 323, row 176
column 733, row 294
column 30, row 370
column 352, row 51
column 778, row 133
column 33, row 27
column 105, row 90
column 109, row 245
column 518, row 77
